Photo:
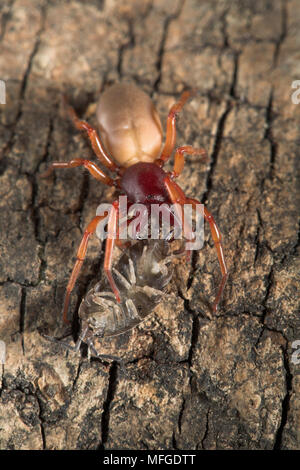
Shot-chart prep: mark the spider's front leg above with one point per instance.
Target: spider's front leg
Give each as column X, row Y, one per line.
column 81, row 253
column 112, row 234
column 177, row 196
column 79, row 261
column 217, row 239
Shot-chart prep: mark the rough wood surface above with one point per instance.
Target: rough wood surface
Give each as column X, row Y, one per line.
column 191, row 382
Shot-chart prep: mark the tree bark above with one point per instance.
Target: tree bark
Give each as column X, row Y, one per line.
column 190, row 381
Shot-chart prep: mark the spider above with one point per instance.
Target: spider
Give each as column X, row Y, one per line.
column 131, row 134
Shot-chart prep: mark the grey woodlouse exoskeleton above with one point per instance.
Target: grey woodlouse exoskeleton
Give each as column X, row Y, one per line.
column 141, row 275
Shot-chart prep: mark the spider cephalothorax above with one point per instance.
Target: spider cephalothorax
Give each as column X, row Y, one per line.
column 144, row 183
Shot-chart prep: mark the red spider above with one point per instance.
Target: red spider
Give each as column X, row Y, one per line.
column 131, row 132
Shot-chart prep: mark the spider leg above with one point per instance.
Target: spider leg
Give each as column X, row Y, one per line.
column 179, row 158
column 90, row 166
column 122, row 242
column 110, row 242
column 79, row 261
column 171, row 128
column 217, row 239
column 178, row 198
column 94, row 138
